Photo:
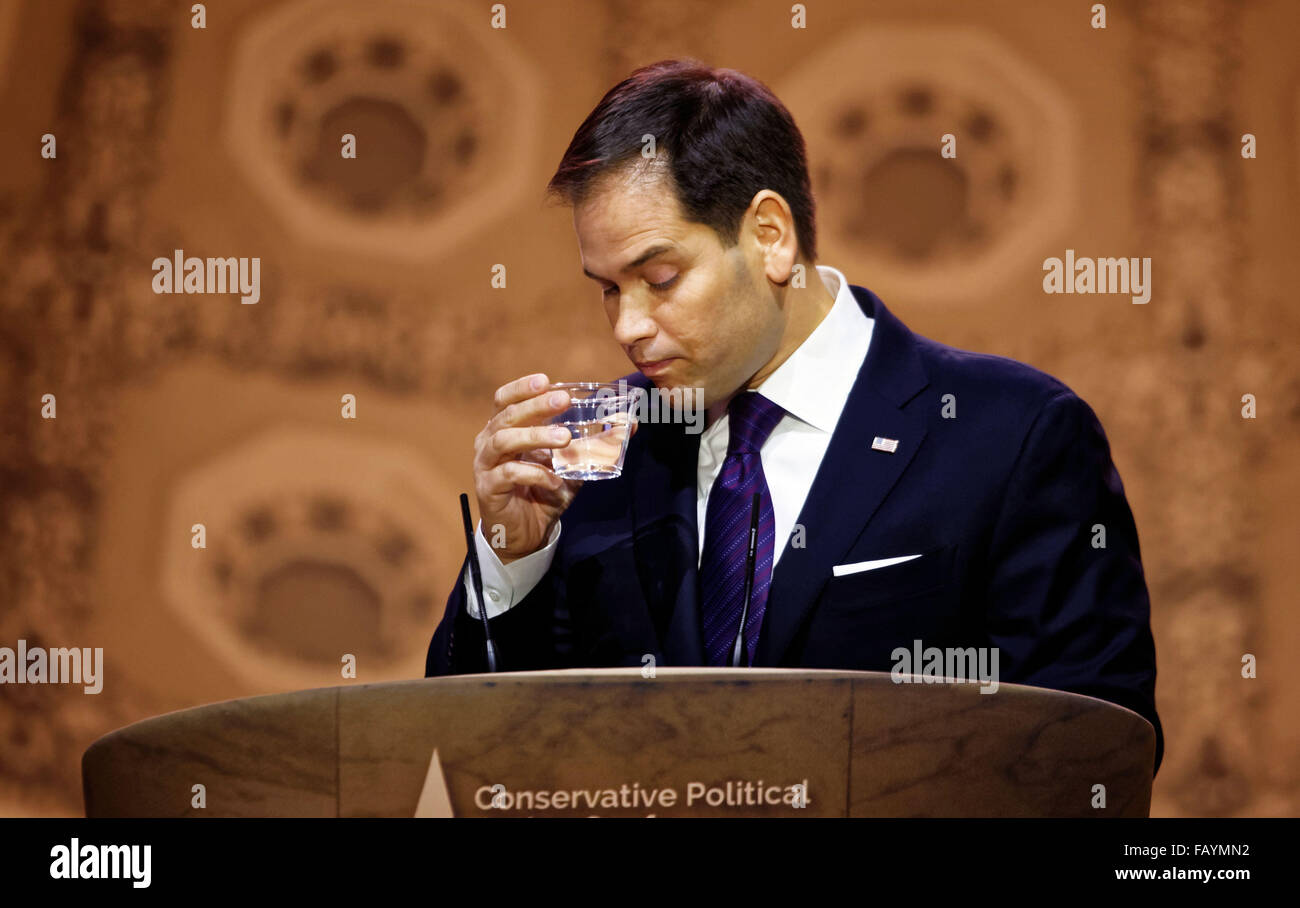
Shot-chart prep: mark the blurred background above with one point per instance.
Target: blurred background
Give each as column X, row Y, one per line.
column 328, row 535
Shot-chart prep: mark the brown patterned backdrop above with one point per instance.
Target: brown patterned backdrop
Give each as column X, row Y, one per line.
column 328, row 535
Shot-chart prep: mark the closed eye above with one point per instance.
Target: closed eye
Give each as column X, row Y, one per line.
column 613, row 288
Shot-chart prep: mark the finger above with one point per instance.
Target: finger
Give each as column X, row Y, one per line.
column 504, row 479
column 531, row 411
column 512, row 443
column 520, row 389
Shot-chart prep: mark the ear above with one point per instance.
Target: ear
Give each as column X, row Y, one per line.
column 774, row 231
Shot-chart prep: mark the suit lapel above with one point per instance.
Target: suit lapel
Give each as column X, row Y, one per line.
column 852, row 479
column 664, row 503
column 684, row 642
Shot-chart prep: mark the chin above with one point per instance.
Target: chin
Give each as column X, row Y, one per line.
column 670, row 382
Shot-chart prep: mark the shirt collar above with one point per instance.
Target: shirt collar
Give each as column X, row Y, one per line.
column 814, row 382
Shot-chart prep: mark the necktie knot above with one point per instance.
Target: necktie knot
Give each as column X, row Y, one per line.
column 751, row 417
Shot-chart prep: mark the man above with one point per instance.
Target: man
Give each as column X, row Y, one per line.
column 908, row 491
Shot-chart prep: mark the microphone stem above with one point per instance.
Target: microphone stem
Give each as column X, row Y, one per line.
column 750, row 559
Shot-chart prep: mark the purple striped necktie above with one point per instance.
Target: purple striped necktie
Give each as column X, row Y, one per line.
column 751, row 417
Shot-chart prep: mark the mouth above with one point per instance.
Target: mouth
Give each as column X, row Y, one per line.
column 655, row 366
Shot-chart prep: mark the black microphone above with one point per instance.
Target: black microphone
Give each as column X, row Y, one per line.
column 477, row 579
column 739, row 646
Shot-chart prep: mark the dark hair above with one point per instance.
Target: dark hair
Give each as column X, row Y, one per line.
column 726, row 137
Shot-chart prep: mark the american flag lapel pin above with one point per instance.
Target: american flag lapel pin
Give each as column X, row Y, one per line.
column 889, row 445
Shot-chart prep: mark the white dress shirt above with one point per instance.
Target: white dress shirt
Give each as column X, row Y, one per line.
column 812, row 386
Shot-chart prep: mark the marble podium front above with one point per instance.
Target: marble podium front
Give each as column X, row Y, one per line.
column 685, row 742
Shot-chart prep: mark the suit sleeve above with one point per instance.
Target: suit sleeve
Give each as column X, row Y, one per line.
column 528, row 636
column 509, row 582
column 1065, row 612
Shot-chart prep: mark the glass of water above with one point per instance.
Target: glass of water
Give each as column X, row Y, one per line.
column 599, row 418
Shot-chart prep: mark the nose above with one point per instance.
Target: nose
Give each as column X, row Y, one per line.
column 633, row 323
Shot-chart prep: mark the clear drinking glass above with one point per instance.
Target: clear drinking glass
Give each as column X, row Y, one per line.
column 599, row 419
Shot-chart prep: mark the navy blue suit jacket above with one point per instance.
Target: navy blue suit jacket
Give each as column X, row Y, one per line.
column 1000, row 500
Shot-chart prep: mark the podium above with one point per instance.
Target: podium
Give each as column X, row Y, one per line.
column 614, row 742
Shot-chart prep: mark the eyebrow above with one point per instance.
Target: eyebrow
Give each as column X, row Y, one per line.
column 641, row 259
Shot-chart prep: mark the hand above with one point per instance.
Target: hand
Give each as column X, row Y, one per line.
column 513, row 480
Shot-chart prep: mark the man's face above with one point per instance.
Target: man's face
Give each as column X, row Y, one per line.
column 672, row 292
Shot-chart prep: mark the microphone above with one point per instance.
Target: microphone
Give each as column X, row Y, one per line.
column 739, row 646
column 477, row 579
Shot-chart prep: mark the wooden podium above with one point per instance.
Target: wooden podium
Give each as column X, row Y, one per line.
column 612, row 742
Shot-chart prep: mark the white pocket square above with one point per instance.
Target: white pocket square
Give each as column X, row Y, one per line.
column 841, row 569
